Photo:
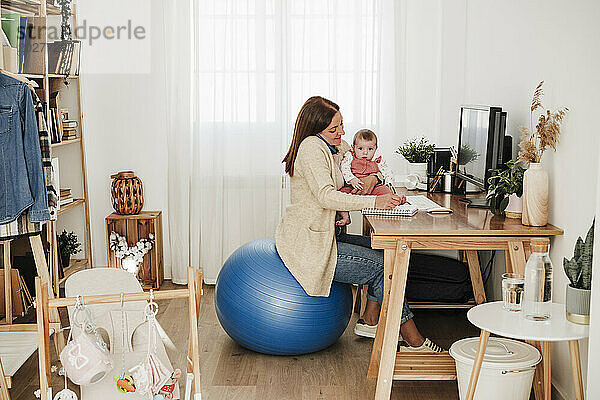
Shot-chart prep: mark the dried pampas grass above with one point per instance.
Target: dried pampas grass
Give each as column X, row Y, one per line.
column 534, row 143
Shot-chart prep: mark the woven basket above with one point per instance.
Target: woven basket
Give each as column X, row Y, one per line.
column 127, row 193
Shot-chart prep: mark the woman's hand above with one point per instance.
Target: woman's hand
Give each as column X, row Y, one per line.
column 387, row 201
column 369, row 182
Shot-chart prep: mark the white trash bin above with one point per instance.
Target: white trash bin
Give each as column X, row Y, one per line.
column 507, row 369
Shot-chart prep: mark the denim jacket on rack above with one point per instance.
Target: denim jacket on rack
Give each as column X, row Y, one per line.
column 22, row 182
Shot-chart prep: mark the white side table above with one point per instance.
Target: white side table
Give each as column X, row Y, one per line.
column 492, row 318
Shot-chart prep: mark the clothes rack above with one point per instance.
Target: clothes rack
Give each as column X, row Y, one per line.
column 45, row 305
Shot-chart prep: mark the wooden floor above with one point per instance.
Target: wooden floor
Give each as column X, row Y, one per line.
column 231, row 372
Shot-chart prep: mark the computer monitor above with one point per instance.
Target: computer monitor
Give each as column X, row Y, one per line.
column 480, row 145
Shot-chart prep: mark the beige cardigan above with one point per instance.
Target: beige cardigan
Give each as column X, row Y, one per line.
column 305, row 237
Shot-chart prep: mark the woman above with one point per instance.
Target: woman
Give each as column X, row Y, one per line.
column 305, row 237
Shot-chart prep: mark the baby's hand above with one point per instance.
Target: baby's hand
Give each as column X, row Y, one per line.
column 356, row 183
column 402, row 199
column 342, row 218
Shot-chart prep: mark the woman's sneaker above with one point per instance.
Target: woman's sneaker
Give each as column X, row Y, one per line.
column 427, row 347
column 362, row 329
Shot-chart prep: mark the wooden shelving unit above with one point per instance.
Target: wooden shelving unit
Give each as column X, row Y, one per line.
column 46, row 13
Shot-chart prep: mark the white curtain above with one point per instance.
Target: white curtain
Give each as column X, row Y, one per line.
column 253, row 64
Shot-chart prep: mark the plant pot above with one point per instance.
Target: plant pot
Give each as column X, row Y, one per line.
column 535, row 196
column 515, row 206
column 578, row 305
column 418, row 169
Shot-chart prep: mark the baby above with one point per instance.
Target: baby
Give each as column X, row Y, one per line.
column 359, row 163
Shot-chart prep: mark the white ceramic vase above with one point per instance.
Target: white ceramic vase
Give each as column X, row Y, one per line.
column 418, row 169
column 515, row 206
column 535, row 196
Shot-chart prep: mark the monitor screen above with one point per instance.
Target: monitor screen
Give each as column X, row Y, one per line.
column 474, row 144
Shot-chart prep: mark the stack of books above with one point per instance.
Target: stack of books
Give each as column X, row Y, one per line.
column 69, row 129
column 65, row 196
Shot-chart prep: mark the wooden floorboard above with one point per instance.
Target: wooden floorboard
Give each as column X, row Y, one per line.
column 230, row 372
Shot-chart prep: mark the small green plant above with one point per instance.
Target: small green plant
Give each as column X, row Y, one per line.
column 416, row 150
column 68, row 244
column 503, row 183
column 579, row 268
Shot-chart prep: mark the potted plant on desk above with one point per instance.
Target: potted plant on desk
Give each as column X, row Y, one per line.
column 417, row 152
column 579, row 272
column 505, row 190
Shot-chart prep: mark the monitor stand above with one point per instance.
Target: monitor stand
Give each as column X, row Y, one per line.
column 476, row 202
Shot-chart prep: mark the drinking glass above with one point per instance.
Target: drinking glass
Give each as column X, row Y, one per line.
column 512, row 291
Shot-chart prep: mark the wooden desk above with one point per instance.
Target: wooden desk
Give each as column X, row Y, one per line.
column 468, row 229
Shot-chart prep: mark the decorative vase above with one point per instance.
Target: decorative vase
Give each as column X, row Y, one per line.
column 515, row 206
column 578, row 305
column 418, row 169
column 535, row 196
column 127, row 193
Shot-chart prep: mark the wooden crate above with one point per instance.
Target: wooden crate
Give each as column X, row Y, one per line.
column 134, row 228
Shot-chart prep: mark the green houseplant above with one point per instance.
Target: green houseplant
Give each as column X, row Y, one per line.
column 67, row 246
column 505, row 190
column 579, row 272
column 417, row 152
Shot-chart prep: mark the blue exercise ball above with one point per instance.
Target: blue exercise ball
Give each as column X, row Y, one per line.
column 263, row 308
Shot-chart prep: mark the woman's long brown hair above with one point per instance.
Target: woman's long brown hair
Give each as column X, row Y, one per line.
column 314, row 117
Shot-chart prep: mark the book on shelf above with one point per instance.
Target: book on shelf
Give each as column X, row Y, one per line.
column 11, row 23
column 55, row 105
column 64, row 57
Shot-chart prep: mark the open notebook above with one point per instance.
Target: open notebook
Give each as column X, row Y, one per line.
column 404, row 210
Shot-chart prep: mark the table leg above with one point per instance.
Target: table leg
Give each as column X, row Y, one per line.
column 393, row 320
column 547, row 371
column 388, row 262
column 476, row 279
column 538, row 378
column 483, row 340
column 518, row 259
column 576, row 369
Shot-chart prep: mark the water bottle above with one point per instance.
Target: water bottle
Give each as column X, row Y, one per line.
column 537, row 291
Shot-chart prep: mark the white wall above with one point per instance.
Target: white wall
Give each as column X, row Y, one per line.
column 124, row 122
column 508, row 48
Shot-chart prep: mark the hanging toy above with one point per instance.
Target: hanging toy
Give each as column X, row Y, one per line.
column 169, row 387
column 85, row 358
column 150, row 375
column 125, row 383
column 65, row 394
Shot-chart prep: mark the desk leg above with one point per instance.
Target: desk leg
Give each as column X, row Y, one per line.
column 476, row 279
column 576, row 368
column 483, row 341
column 517, row 256
column 547, row 371
column 393, row 319
column 388, row 262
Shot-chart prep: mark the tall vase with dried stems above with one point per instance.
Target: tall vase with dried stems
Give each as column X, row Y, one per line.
column 533, row 145
column 535, row 196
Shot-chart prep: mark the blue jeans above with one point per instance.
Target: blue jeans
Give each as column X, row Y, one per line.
column 359, row 264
